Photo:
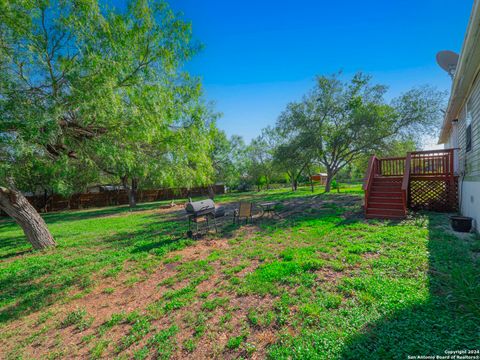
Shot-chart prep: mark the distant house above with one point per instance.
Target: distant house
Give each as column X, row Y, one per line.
column 320, row 177
column 461, row 125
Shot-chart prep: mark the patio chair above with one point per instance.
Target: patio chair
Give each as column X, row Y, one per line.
column 245, row 210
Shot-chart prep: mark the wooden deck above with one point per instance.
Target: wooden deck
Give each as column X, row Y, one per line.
column 422, row 180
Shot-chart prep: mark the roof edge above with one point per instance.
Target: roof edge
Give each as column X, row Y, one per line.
column 466, row 72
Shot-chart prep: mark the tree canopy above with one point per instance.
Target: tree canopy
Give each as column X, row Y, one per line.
column 87, row 90
column 338, row 122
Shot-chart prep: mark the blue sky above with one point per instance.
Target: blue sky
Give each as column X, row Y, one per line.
column 259, row 55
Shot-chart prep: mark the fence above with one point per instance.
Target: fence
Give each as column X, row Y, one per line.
column 115, row 197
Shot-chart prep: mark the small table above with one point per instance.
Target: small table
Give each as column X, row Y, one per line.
column 269, row 208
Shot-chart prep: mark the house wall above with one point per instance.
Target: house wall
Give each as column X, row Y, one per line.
column 469, row 162
column 452, row 143
column 470, row 201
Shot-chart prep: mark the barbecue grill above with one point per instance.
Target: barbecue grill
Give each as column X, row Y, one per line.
column 205, row 209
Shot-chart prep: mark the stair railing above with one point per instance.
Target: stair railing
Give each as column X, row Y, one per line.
column 392, row 166
column 406, row 181
column 372, row 170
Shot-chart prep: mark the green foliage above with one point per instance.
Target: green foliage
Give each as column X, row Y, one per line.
column 265, row 278
column 98, row 349
column 140, row 327
column 211, row 305
column 260, row 153
column 339, row 122
column 291, row 155
column 235, row 341
column 79, row 318
column 162, row 342
column 296, row 266
column 228, row 157
column 88, row 90
column 335, row 185
column 177, row 299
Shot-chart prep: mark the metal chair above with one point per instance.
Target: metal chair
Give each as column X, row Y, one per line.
column 245, row 210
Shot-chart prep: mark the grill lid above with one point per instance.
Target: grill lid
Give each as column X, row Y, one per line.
column 203, row 206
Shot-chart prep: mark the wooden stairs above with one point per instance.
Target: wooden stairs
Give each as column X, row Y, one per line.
column 422, row 180
column 385, row 199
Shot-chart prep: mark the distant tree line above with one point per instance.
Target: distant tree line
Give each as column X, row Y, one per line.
column 334, row 129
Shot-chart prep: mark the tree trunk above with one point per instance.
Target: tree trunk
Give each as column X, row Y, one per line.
column 211, row 193
column 132, row 193
column 295, row 185
column 328, row 183
column 311, row 184
column 25, row 215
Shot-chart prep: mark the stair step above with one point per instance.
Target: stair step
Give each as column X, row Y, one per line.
column 384, row 205
column 392, row 194
column 385, row 212
column 385, row 199
column 387, row 184
column 377, row 190
column 388, row 180
column 386, row 193
column 377, row 216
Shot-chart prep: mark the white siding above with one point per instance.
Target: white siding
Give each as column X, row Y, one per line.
column 469, row 162
column 452, row 143
column 470, row 201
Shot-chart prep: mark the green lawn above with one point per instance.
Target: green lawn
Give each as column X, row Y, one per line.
column 320, row 283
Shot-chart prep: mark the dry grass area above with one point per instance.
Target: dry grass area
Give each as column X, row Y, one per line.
column 319, row 282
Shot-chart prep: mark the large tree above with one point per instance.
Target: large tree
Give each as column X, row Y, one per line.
column 292, row 158
column 228, row 157
column 260, row 155
column 340, row 121
column 91, row 87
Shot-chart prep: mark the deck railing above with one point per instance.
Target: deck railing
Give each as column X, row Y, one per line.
column 432, row 163
column 422, row 163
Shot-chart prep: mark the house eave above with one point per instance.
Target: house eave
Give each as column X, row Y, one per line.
column 466, row 73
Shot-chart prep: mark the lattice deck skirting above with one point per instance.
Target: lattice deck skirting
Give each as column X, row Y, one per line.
column 433, row 193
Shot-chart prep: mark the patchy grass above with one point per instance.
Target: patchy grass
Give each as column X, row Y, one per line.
column 319, row 283
column 78, row 318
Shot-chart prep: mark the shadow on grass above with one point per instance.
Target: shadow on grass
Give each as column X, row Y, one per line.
column 448, row 320
column 14, row 246
column 72, row 215
column 31, row 283
column 15, row 252
column 13, row 242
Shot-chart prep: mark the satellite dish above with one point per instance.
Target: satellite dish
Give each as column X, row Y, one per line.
column 448, row 61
